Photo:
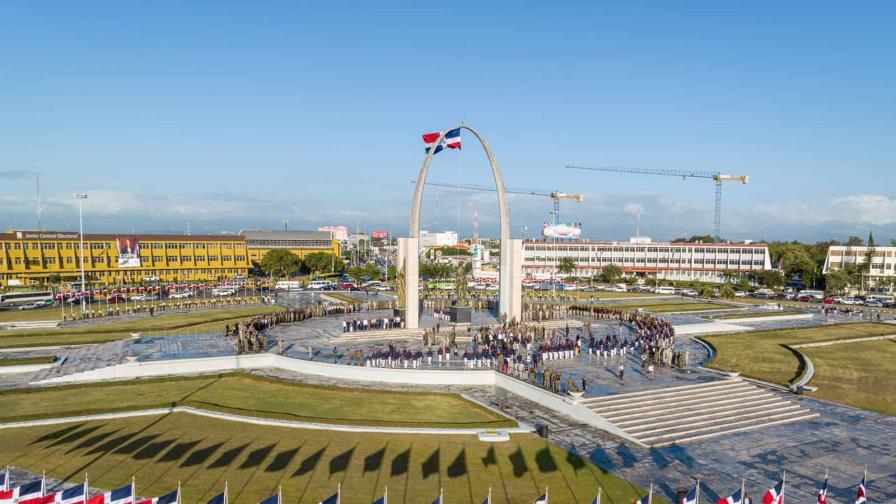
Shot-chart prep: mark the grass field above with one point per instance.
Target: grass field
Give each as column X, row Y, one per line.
column 671, row 307
column 859, row 374
column 203, row 453
column 199, row 321
column 255, row 396
column 16, row 315
column 755, row 314
column 25, row 361
column 762, row 354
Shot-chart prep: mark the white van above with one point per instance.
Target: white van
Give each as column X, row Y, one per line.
column 665, row 290
column 319, row 284
column 290, row 285
column 883, row 299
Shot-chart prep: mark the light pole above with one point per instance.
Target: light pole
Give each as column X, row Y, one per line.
column 81, row 197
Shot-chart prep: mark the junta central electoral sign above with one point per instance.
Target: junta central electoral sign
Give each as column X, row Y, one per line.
column 128, row 252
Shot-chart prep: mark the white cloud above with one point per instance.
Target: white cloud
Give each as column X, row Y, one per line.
column 869, row 209
column 633, row 209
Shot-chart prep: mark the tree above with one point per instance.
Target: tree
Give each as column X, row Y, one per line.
column 726, row 291
column 706, row 291
column 566, row 266
column 773, row 279
column 611, row 273
column 322, row 262
column 391, row 272
column 837, row 280
column 372, row 271
column 357, row 273
column 279, row 262
column 855, row 241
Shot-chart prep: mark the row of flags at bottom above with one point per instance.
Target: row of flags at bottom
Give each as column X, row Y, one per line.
column 35, row 492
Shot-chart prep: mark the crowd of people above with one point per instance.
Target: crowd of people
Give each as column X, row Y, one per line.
column 371, row 323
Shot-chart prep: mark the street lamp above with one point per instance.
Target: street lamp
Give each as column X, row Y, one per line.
column 81, row 197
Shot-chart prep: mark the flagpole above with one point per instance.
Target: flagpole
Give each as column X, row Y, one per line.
column 599, row 492
column 546, row 498
column 87, row 489
column 783, row 484
column 133, row 487
column 742, row 495
column 441, row 496
column 178, row 492
column 339, row 493
column 650, row 495
column 279, row 494
column 698, row 490
column 225, row 492
column 489, row 495
column 386, row 495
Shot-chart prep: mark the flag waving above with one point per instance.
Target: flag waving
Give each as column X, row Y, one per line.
column 861, row 498
column 450, row 141
column 775, row 494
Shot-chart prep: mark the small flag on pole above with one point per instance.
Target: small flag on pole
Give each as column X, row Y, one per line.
column 274, row 499
column 384, row 499
column 861, row 497
column 488, row 500
column 333, row 499
column 823, row 491
column 440, row 499
column 544, row 498
column 775, row 494
column 647, row 499
column 221, row 498
column 597, row 499
column 693, row 497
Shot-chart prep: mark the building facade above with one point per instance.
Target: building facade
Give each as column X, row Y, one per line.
column 705, row 262
column 882, row 271
column 35, row 257
column 443, row 239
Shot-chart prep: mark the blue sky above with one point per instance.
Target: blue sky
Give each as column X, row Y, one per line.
column 234, row 115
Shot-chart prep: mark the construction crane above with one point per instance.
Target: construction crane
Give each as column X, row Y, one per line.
column 717, row 177
column 554, row 195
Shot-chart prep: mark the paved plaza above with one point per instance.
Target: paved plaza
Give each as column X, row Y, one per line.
column 841, row 439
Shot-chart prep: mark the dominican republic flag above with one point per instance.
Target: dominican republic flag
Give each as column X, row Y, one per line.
column 823, row 493
column 28, row 491
column 4, row 480
column 735, row 498
column 168, row 498
column 440, row 498
column 861, row 498
column 775, row 494
column 274, row 499
column 384, row 499
column 691, row 497
column 123, row 495
column 450, row 141
column 73, row 495
column 333, row 499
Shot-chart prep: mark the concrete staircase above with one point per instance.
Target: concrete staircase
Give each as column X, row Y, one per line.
column 666, row 416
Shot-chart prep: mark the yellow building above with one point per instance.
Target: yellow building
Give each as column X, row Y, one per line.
column 28, row 257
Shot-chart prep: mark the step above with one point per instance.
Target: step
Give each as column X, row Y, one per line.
column 655, row 428
column 628, row 395
column 750, row 422
column 714, row 392
column 807, row 416
column 705, row 412
column 627, row 412
column 729, row 401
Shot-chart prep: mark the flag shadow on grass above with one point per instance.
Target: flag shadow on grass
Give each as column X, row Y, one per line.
column 91, row 441
column 374, row 461
column 179, row 450
column 256, row 457
column 545, row 460
column 340, row 462
column 310, row 462
column 401, row 463
column 201, row 455
column 519, row 463
column 227, row 458
column 152, row 450
column 56, row 434
column 282, row 460
column 136, row 444
column 458, row 467
column 74, row 436
column 430, row 466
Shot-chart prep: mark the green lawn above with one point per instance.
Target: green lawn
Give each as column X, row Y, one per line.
column 254, row 396
column 25, row 361
column 859, row 374
column 762, row 354
column 198, row 321
column 204, row 453
column 16, row 315
column 755, row 314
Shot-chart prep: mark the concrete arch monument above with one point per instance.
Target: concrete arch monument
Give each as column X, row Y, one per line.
column 510, row 290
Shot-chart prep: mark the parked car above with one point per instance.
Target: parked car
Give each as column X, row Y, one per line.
column 740, row 294
column 181, row 295
column 224, row 291
column 831, row 300
column 874, row 304
column 37, row 304
column 116, row 298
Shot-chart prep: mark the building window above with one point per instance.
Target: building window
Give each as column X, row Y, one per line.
column 240, row 258
column 172, row 258
column 17, row 245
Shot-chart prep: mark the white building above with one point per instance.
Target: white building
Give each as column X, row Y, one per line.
column 640, row 256
column 883, row 261
column 443, row 239
column 339, row 232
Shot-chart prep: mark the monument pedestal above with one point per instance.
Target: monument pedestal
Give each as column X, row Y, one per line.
column 460, row 314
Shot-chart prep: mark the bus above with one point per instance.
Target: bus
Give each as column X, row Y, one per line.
column 20, row 298
column 817, row 294
column 883, row 299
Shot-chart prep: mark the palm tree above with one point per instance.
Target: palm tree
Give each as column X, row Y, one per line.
column 566, row 266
